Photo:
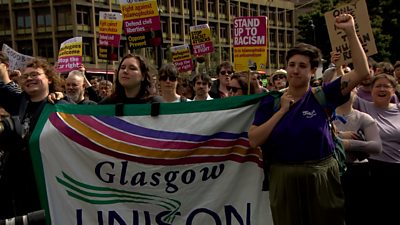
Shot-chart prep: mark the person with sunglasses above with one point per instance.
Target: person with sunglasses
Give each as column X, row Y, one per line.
column 168, row 77
column 218, row 88
column 279, row 79
column 202, row 85
column 239, row 86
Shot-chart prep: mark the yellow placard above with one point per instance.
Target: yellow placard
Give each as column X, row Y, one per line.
column 110, row 26
column 71, row 49
column 139, row 10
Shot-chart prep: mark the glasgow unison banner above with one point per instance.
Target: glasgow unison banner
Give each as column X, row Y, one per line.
column 189, row 165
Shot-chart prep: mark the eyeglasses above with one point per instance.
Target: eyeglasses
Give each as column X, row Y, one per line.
column 166, row 77
column 276, row 77
column 226, row 72
column 33, row 75
column 233, row 89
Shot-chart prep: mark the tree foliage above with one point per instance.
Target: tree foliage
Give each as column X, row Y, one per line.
column 384, row 22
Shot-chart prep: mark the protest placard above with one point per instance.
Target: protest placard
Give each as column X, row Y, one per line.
column 70, row 55
column 110, row 29
column 250, row 42
column 359, row 11
column 182, row 58
column 142, row 24
column 17, row 61
column 200, row 36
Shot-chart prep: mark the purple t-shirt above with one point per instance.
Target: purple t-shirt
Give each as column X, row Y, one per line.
column 303, row 132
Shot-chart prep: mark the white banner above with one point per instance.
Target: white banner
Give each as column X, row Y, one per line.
column 17, row 60
column 191, row 165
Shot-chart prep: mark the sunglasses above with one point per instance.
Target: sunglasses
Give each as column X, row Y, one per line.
column 171, row 78
column 279, row 77
column 226, row 72
column 233, row 89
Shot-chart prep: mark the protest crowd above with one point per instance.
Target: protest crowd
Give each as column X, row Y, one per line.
column 365, row 95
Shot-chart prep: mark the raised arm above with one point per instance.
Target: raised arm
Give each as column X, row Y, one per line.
column 360, row 62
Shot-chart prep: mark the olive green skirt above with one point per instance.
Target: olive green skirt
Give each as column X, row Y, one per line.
column 309, row 193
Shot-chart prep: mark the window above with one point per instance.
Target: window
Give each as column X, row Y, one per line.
column 225, row 54
column 263, row 11
column 289, row 19
column 222, row 8
column 64, row 16
column 4, row 22
column 281, row 39
column 211, row 6
column 281, row 59
column 164, row 26
column 281, row 17
column 176, row 4
column 273, row 59
column 234, row 9
column 289, row 41
column 222, row 32
column 164, row 3
column 253, row 11
column 272, row 38
column 213, row 30
column 200, row 5
column 23, row 20
column 272, row 18
column 43, row 18
column 187, row 28
column 243, row 11
column 87, row 49
column 186, row 4
column 176, row 28
column 45, row 48
column 25, row 47
column 82, row 17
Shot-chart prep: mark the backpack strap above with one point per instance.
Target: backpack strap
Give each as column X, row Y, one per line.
column 331, row 113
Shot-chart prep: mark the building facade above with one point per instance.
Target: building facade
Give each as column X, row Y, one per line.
column 38, row 27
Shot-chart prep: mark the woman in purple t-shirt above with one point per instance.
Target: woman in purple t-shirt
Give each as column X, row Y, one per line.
column 304, row 177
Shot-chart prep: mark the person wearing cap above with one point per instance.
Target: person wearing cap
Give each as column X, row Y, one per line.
column 279, row 79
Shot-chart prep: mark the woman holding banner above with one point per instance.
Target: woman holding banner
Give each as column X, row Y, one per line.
column 133, row 82
column 304, row 177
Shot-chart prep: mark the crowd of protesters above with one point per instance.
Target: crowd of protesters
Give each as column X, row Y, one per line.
column 366, row 97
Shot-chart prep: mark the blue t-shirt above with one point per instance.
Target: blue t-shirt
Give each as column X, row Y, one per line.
column 303, row 132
